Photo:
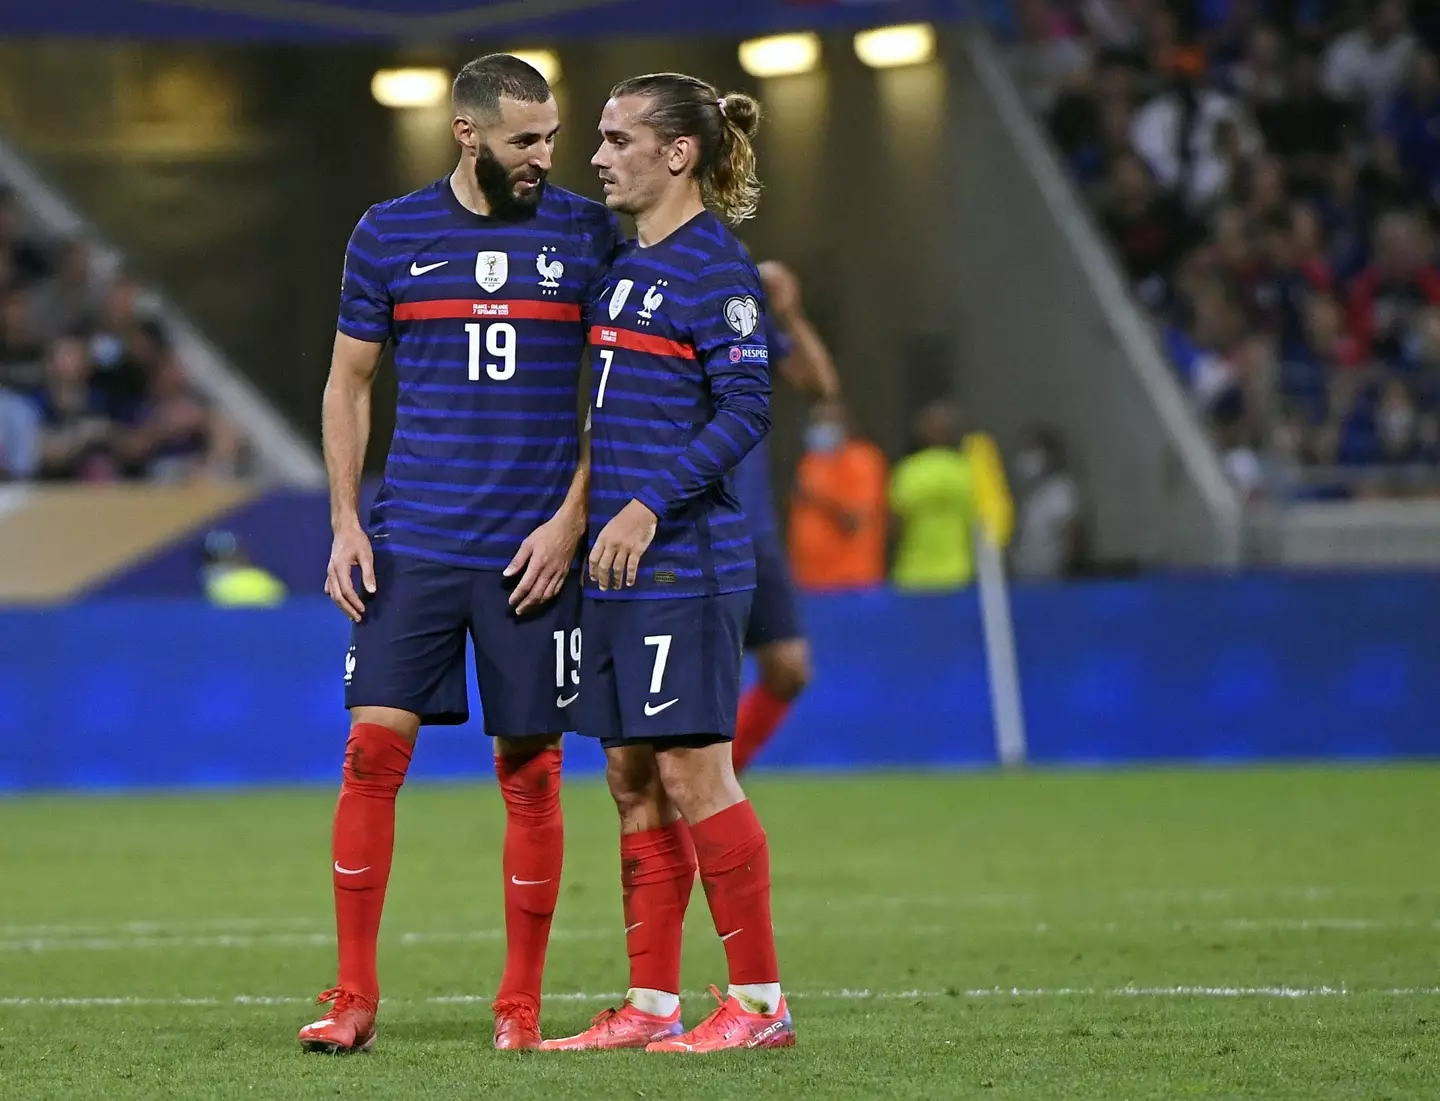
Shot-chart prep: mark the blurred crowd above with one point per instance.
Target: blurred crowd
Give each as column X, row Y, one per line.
column 1269, row 174
column 91, row 388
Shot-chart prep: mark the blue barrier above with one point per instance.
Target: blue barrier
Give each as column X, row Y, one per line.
column 155, row 693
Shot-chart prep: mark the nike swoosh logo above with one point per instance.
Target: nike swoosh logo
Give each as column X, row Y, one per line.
column 652, row 709
column 566, row 701
column 527, row 882
column 727, row 936
column 632, row 928
column 350, row 871
column 416, row 269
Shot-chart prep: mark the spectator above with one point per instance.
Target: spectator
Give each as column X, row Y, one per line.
column 77, row 436
column 837, row 510
column 178, row 438
column 1259, row 75
column 71, row 300
column 1397, row 425
column 933, row 495
column 119, row 375
column 1400, row 281
column 1051, row 56
column 21, row 350
column 1365, row 66
column 27, row 260
column 1235, row 435
column 1048, row 543
column 1411, row 130
column 1175, row 134
column 1305, row 127
column 1151, row 230
column 19, row 437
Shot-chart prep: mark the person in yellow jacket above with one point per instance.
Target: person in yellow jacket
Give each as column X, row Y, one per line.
column 944, row 496
column 233, row 581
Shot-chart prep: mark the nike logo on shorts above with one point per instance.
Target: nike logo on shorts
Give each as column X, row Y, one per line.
column 654, row 709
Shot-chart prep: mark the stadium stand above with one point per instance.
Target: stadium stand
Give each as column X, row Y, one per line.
column 91, row 386
column 1269, row 176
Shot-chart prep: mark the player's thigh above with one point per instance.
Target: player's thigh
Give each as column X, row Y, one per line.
column 407, row 653
column 677, row 667
column 599, row 707
column 528, row 666
column 775, row 609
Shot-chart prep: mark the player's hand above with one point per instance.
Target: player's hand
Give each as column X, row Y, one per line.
column 782, row 288
column 351, row 548
column 546, row 557
column 615, row 557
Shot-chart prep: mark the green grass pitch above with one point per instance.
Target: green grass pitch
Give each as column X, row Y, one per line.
column 1148, row 934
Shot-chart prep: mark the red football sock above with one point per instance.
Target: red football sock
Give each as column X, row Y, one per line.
column 376, row 759
column 534, row 853
column 760, row 715
column 657, row 873
column 734, row 860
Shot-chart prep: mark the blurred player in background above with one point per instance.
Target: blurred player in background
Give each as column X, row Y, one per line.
column 774, row 633
column 479, row 281
column 682, row 392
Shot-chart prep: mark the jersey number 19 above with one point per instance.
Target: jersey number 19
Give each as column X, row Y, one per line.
column 499, row 341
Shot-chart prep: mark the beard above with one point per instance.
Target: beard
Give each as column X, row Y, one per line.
column 498, row 186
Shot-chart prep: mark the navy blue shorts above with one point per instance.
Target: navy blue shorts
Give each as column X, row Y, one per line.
column 662, row 669
column 408, row 651
column 775, row 612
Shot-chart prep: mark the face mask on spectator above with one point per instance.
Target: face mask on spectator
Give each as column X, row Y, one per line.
column 107, row 350
column 824, row 438
column 1396, row 425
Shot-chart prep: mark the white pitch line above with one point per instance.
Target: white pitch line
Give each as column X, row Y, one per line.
column 843, row 994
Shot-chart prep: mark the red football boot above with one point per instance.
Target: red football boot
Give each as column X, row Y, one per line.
column 733, row 1026
column 516, row 1027
column 620, row 1028
column 347, row 1028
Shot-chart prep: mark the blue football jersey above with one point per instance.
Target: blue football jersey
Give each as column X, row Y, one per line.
column 681, row 393
column 752, row 476
column 486, row 319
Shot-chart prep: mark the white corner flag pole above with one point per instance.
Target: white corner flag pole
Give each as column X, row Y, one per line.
column 1000, row 652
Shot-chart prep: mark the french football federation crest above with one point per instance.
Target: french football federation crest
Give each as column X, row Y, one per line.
column 653, row 298
column 492, row 269
column 550, row 270
column 618, row 297
column 742, row 315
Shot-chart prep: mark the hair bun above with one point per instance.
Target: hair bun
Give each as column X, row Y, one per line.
column 742, row 111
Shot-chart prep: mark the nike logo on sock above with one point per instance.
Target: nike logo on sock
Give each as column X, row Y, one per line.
column 632, row 928
column 350, row 871
column 727, row 936
column 527, row 882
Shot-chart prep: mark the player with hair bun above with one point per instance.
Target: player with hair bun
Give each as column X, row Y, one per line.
column 681, row 393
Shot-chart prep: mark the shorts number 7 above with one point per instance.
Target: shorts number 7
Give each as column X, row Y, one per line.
column 662, row 655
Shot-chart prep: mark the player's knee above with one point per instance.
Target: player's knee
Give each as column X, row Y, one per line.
column 634, row 782
column 528, row 770
column 376, row 760
column 785, row 669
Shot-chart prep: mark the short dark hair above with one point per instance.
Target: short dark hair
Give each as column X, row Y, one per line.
column 480, row 84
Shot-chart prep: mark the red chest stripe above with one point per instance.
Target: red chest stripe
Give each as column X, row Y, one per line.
column 470, row 309
column 608, row 336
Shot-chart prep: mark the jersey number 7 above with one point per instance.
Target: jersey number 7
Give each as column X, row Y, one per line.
column 499, row 341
